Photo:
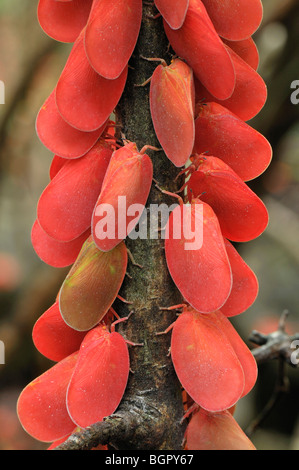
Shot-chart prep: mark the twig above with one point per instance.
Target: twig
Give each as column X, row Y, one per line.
column 276, row 345
column 113, row 427
column 281, row 387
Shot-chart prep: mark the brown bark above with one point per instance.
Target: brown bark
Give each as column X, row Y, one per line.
column 149, row 416
column 153, row 389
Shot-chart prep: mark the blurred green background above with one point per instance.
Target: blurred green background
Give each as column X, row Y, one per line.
column 30, row 64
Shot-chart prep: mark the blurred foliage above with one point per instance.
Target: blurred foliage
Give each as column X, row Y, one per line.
column 274, row 256
column 30, row 64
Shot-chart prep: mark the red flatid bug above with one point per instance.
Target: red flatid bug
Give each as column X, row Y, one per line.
column 174, row 13
column 241, row 213
column 66, row 205
column 221, row 133
column 246, row 49
column 205, row 362
column 56, row 164
column 63, row 20
column 213, row 364
column 235, row 20
column 92, row 285
column 172, row 103
column 53, row 338
column 56, row 340
column 84, row 98
column 61, row 138
column 100, row 376
column 197, row 42
column 201, row 271
column 215, row 431
column 54, row 252
column 245, row 284
column 111, row 35
column 243, row 104
column 243, row 353
column 125, row 189
column 41, row 405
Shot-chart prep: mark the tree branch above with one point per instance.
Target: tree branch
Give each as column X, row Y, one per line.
column 149, row 416
column 281, row 387
column 112, row 427
column 276, row 345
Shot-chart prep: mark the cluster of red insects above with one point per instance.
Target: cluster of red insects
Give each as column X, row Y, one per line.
column 199, row 104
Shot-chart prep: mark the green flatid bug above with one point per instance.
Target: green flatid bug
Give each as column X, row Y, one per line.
column 92, row 285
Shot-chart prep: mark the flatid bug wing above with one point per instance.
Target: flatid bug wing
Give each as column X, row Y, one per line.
column 245, row 284
column 122, row 201
column 56, row 165
column 66, row 205
column 112, row 27
column 174, row 13
column 235, row 20
column 53, row 337
column 196, row 42
column 172, row 109
column 202, row 272
column 245, row 105
column 41, row 405
column 84, row 98
column 106, row 355
column 241, row 213
column 221, row 133
column 119, row 157
column 247, row 50
column 242, row 351
column 53, row 252
column 63, row 20
column 58, row 136
column 215, row 431
column 205, row 362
